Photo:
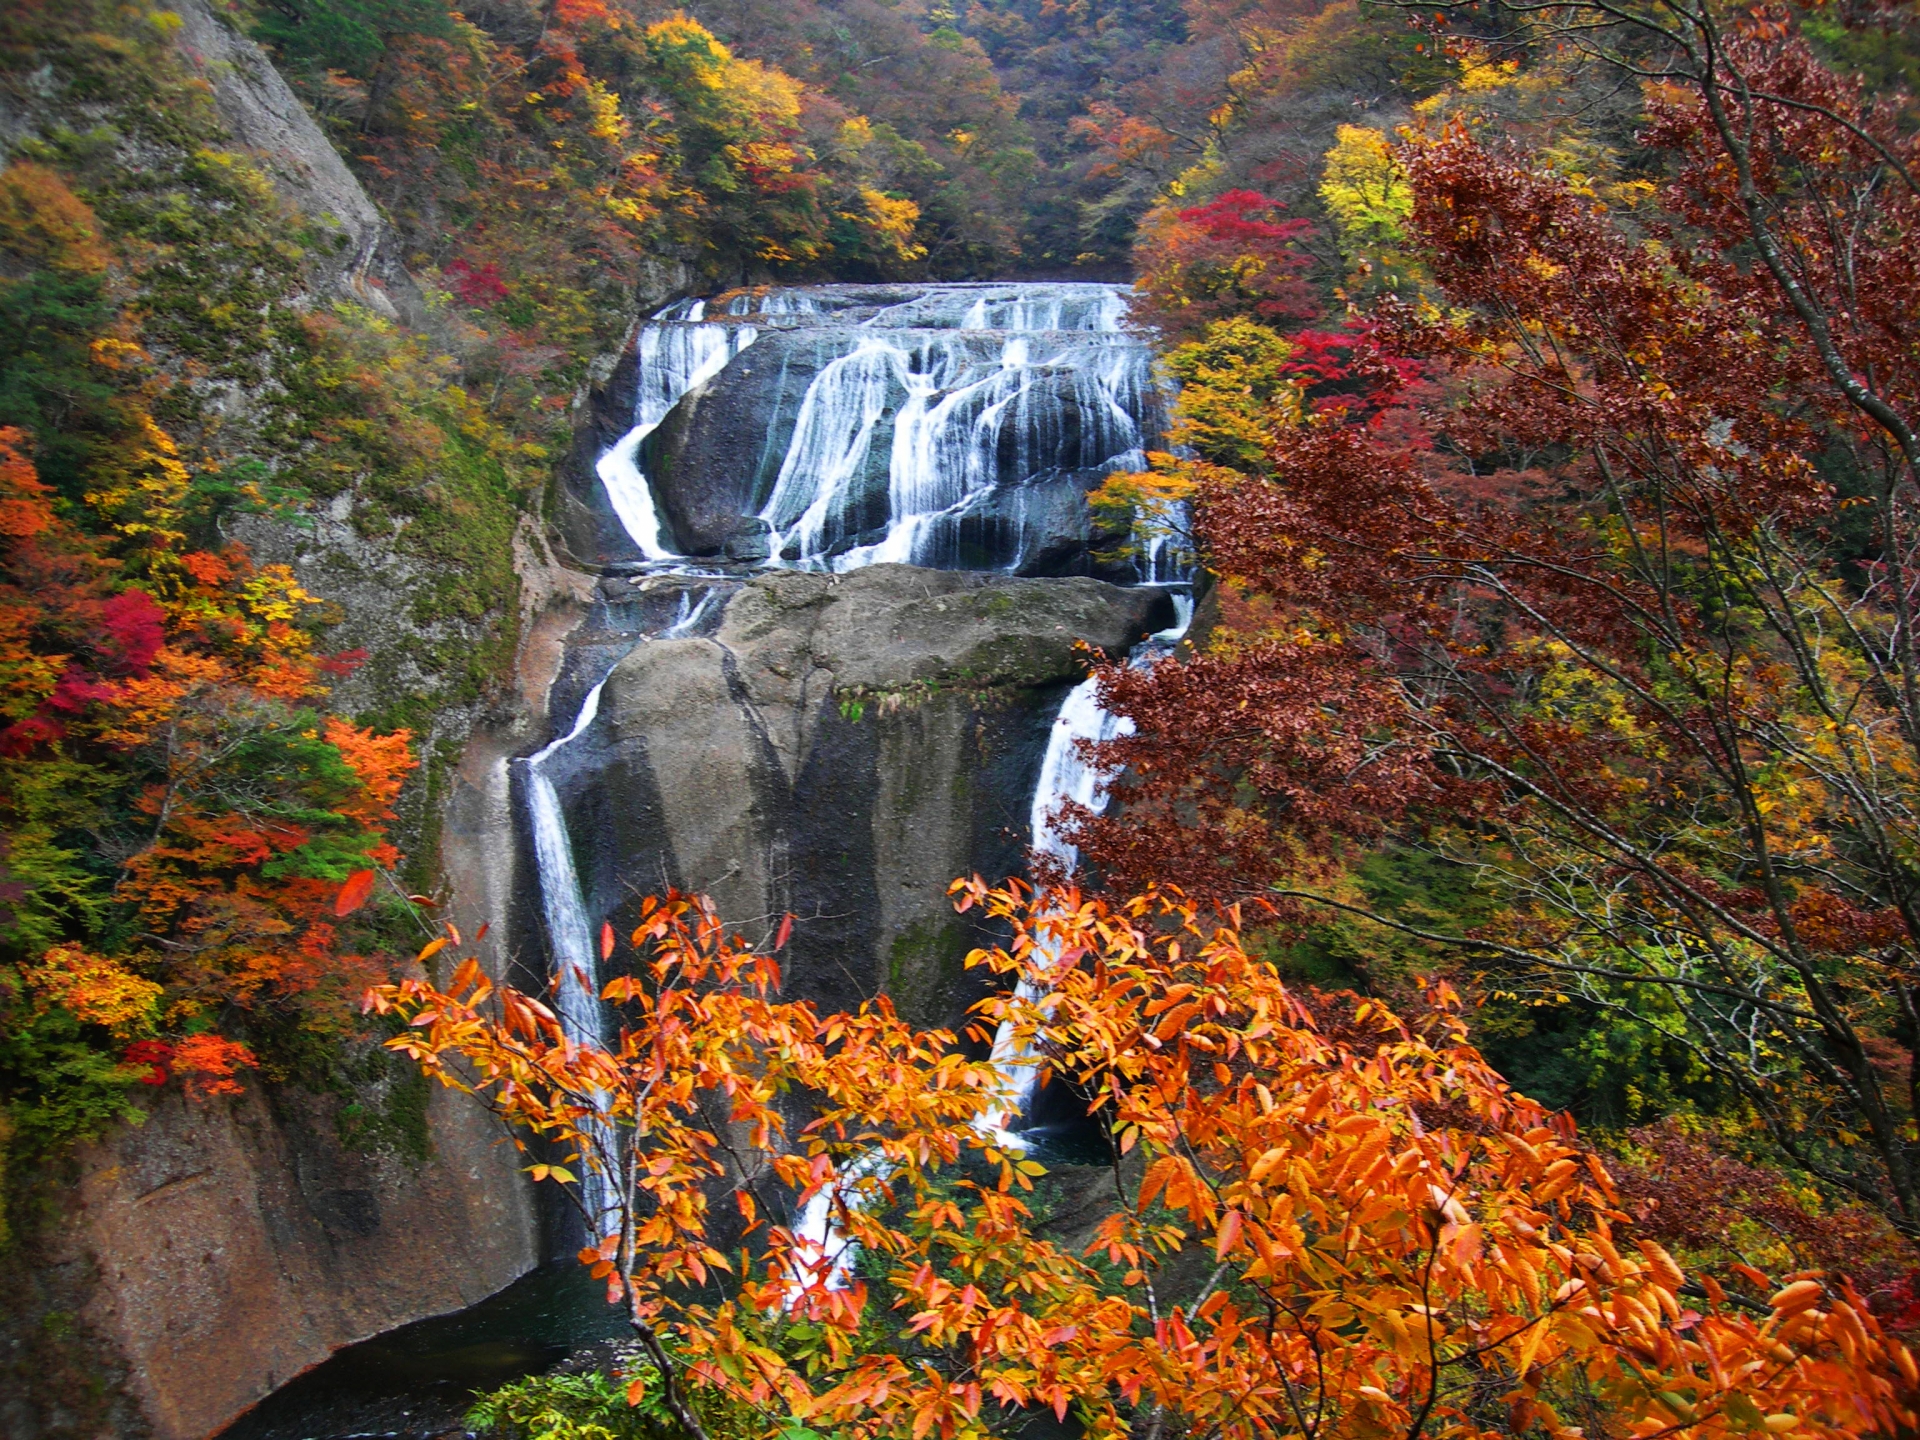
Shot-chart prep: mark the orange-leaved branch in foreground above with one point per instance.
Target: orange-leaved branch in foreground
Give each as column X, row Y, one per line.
column 1306, row 1229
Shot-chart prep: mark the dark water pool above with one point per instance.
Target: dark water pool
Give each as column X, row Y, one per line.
column 418, row 1381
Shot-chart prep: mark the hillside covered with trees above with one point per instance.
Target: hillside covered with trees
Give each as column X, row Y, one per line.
column 1491, row 979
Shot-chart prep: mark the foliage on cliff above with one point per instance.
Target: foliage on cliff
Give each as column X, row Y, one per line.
column 179, row 811
column 1321, row 1220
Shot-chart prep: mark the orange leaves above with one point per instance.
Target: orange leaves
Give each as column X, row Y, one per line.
column 45, row 223
column 380, row 762
column 354, row 893
column 1301, row 1227
column 168, row 676
column 207, row 1065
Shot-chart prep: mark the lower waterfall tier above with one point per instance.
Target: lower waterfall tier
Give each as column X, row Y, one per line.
column 840, row 747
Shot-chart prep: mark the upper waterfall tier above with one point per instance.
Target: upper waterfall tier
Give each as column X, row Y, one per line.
column 830, row 427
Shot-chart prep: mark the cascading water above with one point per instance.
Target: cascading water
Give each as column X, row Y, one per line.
column 952, row 426
column 576, row 986
column 569, row 933
column 676, row 351
column 943, row 426
column 1065, row 778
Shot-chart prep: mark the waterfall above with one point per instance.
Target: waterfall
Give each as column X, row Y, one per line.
column 831, row 438
column 676, row 351
column 953, row 426
column 1065, row 776
column 576, row 964
column 938, row 425
column 973, row 420
column 569, row 932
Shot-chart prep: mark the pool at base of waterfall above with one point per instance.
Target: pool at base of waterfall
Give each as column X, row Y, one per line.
column 418, row 1381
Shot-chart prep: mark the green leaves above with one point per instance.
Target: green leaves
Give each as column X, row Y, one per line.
column 347, row 35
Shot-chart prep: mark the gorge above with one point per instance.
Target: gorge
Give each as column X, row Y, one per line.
column 832, row 656
column 1412, row 516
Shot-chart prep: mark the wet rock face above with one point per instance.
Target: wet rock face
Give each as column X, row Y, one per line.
column 842, row 748
column 945, row 426
column 714, row 459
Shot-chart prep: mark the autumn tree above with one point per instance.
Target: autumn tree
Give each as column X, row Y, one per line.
column 1234, row 256
column 1308, row 1229
column 1631, row 649
column 177, row 815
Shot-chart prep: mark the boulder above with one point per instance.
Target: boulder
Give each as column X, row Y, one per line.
column 841, row 748
column 716, row 455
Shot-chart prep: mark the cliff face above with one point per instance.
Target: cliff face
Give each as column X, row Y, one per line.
column 264, row 118
column 840, row 747
column 171, row 1275
column 225, row 1249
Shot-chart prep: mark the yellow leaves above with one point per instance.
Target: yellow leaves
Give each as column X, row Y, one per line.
column 604, row 120
column 1479, row 73
column 1364, row 188
column 142, row 491
column 273, row 594
column 110, row 353
column 94, row 990
column 892, row 219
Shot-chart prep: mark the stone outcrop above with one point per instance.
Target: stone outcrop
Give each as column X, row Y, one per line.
column 232, row 1246
column 360, row 259
column 716, row 455
column 840, row 747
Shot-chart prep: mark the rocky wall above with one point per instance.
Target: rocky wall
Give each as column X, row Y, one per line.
column 841, row 748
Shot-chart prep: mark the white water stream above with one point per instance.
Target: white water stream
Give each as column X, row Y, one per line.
column 575, row 959
column 1065, row 777
column 676, row 352
column 958, row 401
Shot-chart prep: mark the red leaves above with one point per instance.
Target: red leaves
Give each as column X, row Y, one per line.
column 345, row 663
column 1222, row 259
column 135, row 629
column 152, row 1053
column 1229, row 220
column 354, row 893
column 207, row 1065
column 480, row 286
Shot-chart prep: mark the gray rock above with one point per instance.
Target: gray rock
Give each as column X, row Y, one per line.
column 751, row 541
column 717, row 453
column 843, row 748
column 361, row 259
